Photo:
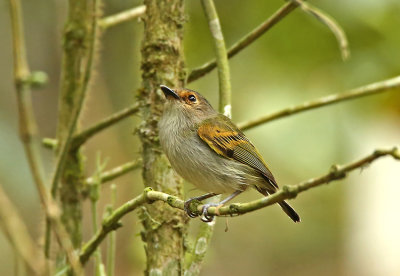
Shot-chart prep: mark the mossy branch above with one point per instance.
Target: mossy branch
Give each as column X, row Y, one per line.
column 367, row 90
column 149, row 196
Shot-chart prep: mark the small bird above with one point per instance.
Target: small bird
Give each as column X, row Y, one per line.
column 208, row 150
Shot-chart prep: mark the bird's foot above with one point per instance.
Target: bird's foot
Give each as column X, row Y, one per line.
column 192, row 212
column 207, row 217
column 187, row 208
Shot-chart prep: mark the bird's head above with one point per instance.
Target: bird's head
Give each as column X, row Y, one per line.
column 187, row 102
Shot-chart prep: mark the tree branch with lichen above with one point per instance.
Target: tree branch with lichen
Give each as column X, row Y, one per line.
column 337, row 172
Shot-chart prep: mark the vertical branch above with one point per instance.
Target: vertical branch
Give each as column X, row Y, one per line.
column 221, row 55
column 195, row 257
column 79, row 43
column 162, row 63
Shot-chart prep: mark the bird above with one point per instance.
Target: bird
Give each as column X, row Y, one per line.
column 208, row 150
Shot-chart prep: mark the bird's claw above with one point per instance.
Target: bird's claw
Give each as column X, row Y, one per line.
column 187, row 209
column 205, row 217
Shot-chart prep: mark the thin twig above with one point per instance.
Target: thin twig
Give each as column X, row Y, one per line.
column 18, row 235
column 84, row 135
column 370, row 89
column 115, row 172
column 332, row 25
column 121, row 17
column 221, row 56
column 111, row 246
column 287, row 192
column 28, row 128
column 247, row 40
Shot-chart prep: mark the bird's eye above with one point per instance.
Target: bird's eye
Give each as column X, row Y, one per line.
column 192, row 98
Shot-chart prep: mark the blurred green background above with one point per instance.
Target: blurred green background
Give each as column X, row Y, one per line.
column 348, row 228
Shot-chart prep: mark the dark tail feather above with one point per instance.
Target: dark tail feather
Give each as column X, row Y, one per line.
column 289, row 211
column 285, row 206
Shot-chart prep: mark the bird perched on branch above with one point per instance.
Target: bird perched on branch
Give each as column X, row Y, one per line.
column 207, row 149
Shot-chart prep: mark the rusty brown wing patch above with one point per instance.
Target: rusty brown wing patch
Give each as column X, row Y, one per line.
column 227, row 140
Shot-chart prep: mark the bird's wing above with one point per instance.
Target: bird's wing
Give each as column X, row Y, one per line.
column 227, row 140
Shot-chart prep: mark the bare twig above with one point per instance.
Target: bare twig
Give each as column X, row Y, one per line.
column 115, row 172
column 121, row 17
column 18, row 235
column 111, row 246
column 287, row 192
column 246, row 40
column 332, row 25
column 370, row 89
column 86, row 134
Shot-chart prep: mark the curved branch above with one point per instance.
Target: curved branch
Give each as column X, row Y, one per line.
column 370, row 89
column 246, row 40
column 287, row 192
column 331, row 23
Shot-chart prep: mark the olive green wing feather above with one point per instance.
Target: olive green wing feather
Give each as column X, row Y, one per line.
column 227, row 140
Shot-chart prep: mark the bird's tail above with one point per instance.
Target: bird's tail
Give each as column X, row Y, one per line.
column 289, row 211
column 284, row 205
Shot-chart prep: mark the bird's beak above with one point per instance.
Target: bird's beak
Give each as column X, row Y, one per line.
column 168, row 92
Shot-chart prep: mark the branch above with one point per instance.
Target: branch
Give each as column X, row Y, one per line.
column 332, row 25
column 336, row 172
column 80, row 93
column 18, row 235
column 246, row 40
column 370, row 89
column 115, row 172
column 121, row 17
column 80, row 138
column 221, row 55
